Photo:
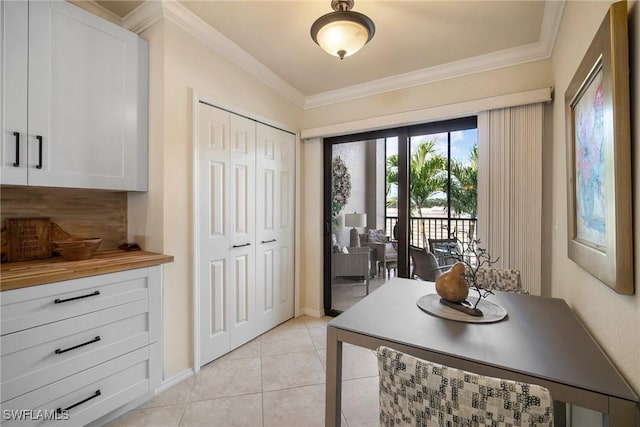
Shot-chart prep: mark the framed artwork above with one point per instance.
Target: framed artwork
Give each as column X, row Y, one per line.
column 600, row 221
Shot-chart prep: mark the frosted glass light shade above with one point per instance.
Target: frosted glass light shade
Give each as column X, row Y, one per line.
column 342, row 33
column 342, row 36
column 355, row 220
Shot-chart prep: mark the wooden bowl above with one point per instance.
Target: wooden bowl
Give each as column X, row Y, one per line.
column 75, row 249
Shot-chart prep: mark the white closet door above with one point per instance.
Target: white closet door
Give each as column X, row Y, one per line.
column 245, row 214
column 274, row 227
column 286, row 229
column 212, row 138
column 287, row 224
column 242, row 220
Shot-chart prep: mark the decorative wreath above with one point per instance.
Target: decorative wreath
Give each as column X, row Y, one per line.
column 341, row 186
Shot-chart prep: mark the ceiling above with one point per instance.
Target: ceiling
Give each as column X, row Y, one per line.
column 415, row 41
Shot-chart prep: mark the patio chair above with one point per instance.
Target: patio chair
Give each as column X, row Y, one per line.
column 444, row 250
column 415, row 392
column 425, row 265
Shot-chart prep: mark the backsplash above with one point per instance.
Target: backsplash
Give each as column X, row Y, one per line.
column 80, row 212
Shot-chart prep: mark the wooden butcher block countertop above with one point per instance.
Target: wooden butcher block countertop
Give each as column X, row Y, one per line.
column 15, row 275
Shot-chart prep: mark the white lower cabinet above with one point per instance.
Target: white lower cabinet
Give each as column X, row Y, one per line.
column 74, row 351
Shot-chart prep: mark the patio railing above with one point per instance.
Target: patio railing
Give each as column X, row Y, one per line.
column 421, row 229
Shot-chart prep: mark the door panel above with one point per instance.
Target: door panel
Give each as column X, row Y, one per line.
column 242, row 251
column 216, row 289
column 275, row 232
column 213, row 235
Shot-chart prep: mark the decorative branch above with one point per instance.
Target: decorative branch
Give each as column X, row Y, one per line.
column 471, row 251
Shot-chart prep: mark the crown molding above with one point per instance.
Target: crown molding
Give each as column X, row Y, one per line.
column 151, row 12
column 553, row 11
column 542, row 49
column 144, row 16
column 477, row 64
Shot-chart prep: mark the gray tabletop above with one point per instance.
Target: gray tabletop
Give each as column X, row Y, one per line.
column 540, row 337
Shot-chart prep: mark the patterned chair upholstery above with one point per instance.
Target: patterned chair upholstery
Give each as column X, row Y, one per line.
column 499, row 279
column 414, row 392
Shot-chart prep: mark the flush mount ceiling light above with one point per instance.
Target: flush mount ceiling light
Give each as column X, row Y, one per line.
column 343, row 32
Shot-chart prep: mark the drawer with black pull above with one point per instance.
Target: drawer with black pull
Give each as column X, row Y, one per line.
column 38, row 305
column 39, row 356
column 78, row 399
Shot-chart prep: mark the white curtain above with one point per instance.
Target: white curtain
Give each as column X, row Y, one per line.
column 510, row 189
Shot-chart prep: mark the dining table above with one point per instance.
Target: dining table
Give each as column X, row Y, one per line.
column 540, row 341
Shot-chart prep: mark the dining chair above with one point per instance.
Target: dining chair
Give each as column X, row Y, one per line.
column 500, row 279
column 415, row 392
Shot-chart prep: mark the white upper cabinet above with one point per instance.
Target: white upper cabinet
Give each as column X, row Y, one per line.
column 75, row 91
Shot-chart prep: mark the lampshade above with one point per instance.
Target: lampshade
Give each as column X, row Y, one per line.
column 343, row 32
column 355, row 220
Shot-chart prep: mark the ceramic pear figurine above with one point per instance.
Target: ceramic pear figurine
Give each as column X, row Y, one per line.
column 451, row 285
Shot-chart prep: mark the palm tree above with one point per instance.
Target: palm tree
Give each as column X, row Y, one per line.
column 427, row 178
column 464, row 185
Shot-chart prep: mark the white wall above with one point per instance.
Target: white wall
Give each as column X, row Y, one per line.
column 614, row 320
column 179, row 64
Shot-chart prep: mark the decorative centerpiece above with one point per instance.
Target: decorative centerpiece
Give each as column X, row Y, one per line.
column 453, row 286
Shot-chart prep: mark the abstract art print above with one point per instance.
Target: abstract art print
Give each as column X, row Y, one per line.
column 591, row 213
column 599, row 194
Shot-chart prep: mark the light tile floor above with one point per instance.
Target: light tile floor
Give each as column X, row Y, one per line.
column 278, row 379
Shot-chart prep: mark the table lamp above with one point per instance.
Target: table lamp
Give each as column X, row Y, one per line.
column 355, row 220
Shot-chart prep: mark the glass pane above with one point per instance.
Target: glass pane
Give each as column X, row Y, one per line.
column 464, row 183
column 362, row 256
column 428, row 188
column 443, row 189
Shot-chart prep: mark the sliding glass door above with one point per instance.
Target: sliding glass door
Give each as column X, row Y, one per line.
column 386, row 190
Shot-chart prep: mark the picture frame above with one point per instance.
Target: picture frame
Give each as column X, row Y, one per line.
column 599, row 180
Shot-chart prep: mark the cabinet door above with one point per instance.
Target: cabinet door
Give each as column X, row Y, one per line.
column 13, row 92
column 83, row 100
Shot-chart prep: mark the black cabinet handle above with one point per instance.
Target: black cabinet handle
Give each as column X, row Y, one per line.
column 60, row 351
column 269, row 241
column 39, row 138
column 93, row 396
column 242, row 246
column 17, row 163
column 60, row 301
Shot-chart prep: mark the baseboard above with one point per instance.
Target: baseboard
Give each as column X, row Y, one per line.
column 312, row 312
column 177, row 378
column 134, row 404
